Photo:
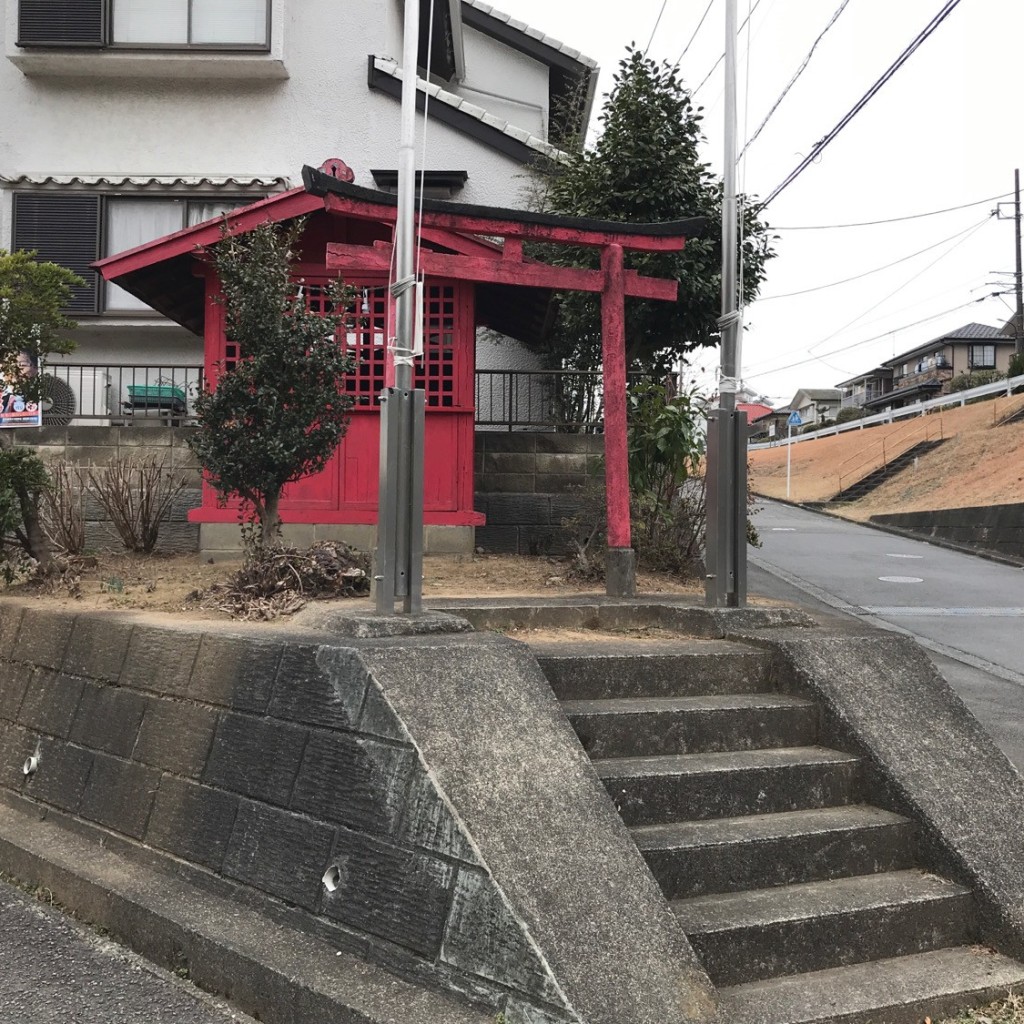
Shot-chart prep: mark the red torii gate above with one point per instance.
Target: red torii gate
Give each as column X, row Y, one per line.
column 479, row 260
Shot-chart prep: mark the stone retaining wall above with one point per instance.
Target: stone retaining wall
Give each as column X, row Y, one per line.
column 266, row 763
column 529, row 483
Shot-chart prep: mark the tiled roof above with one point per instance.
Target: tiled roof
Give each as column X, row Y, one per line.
column 389, row 67
column 521, row 26
column 149, row 181
column 968, row 332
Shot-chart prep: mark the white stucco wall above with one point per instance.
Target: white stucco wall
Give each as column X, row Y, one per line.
column 131, row 114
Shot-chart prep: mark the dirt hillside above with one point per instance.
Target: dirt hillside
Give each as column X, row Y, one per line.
column 980, row 463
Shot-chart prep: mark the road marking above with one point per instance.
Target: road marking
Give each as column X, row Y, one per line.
column 897, row 611
column 783, row 529
column 901, row 579
column 891, row 555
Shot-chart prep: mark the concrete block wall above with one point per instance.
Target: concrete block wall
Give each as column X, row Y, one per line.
column 264, row 762
column 528, row 483
column 995, row 528
column 97, row 446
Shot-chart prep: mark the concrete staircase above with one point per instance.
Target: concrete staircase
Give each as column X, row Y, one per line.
column 805, row 902
column 878, row 477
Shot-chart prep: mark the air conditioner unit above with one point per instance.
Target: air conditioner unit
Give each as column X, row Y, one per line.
column 92, row 387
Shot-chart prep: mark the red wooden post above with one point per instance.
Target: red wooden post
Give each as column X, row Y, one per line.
column 620, row 567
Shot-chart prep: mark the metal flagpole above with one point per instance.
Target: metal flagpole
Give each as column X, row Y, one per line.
column 398, row 572
column 725, row 546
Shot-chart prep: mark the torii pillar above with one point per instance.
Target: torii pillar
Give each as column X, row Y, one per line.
column 620, row 561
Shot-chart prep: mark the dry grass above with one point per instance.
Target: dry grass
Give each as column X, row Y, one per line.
column 1005, row 1011
column 982, row 463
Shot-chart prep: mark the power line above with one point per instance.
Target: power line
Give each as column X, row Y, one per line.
column 720, row 59
column 657, row 22
column 875, row 270
column 820, row 145
column 890, row 220
column 971, row 232
column 707, row 10
column 868, row 341
column 793, row 80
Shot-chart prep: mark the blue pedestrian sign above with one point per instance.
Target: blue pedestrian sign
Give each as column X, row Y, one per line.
column 794, row 420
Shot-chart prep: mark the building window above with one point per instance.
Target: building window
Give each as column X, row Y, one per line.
column 181, row 23
column 176, row 24
column 74, row 229
column 981, row 357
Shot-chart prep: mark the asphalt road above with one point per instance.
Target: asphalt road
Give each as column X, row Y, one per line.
column 968, row 612
column 55, row 971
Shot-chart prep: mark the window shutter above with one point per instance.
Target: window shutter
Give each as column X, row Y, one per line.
column 60, row 23
column 64, row 229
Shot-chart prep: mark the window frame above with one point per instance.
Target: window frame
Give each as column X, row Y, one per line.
column 973, row 364
column 99, row 286
column 109, row 43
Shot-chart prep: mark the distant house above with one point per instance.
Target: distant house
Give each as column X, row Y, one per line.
column 925, row 371
column 816, row 405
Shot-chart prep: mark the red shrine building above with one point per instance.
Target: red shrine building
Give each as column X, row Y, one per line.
column 475, row 274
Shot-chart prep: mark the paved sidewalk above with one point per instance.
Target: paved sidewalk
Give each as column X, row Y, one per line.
column 55, row 971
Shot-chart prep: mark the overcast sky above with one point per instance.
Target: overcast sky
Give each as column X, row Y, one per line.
column 944, row 132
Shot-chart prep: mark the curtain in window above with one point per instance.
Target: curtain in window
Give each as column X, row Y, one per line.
column 238, row 22
column 146, row 21
column 199, row 212
column 131, row 222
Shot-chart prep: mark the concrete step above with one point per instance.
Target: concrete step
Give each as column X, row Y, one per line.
column 692, row 858
column 765, row 933
column 647, row 726
column 629, row 668
column 685, row 787
column 903, row 990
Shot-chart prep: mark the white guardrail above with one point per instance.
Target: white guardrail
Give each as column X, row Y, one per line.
column 917, row 409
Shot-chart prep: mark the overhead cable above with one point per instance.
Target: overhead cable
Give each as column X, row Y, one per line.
column 820, row 145
column 720, row 59
column 657, row 22
column 799, row 72
column 868, row 341
column 868, row 273
column 889, row 220
column 686, row 48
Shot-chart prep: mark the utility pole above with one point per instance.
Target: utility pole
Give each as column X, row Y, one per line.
column 1018, row 322
column 726, row 541
column 398, row 568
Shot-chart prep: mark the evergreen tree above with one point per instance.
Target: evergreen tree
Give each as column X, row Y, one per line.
column 279, row 413
column 646, row 168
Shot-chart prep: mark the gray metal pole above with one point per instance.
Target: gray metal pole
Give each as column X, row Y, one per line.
column 725, row 545
column 1019, row 321
column 398, row 571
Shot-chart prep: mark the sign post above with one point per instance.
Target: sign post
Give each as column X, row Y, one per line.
column 793, row 421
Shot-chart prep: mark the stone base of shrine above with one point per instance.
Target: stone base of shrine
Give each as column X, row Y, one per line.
column 223, row 541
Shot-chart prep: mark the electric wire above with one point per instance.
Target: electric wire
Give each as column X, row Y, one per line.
column 664, row 4
column 799, row 71
column 965, row 237
column 686, row 48
column 722, row 57
column 890, row 220
column 868, row 341
column 824, row 141
column 868, row 273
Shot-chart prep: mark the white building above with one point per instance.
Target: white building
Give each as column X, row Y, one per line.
column 124, row 120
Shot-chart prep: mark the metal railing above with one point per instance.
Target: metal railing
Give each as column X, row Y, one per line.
column 999, row 387
column 880, row 453
column 112, row 394
column 105, row 394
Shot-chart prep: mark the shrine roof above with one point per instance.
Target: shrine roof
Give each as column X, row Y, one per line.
column 162, row 273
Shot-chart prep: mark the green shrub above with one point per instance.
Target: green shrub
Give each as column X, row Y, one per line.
column 975, row 379
column 849, row 413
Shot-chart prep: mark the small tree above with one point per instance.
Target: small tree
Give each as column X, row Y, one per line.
column 279, row 412
column 33, row 295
